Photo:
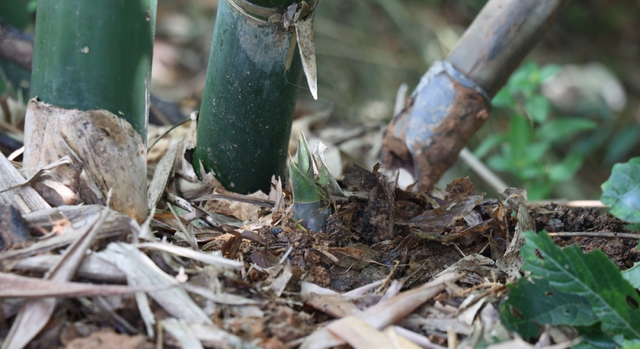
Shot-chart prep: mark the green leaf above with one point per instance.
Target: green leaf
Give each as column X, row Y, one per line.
column 539, row 190
column 531, row 171
column 632, row 344
column 633, row 275
column 503, row 99
column 488, row 144
column 538, row 107
column 633, row 227
column 524, row 80
column 622, row 142
column 535, row 152
column 622, row 191
column 538, row 303
column 593, row 338
column 592, row 276
column 562, row 129
column 520, row 136
column 567, row 169
column 499, row 163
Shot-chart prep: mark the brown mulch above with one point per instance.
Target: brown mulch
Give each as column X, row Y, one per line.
column 380, row 241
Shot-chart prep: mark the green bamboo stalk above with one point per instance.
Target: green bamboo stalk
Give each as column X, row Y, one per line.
column 249, row 95
column 95, row 55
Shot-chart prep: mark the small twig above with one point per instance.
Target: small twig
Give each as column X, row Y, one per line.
column 239, row 198
column 166, row 133
column 608, row 235
column 565, row 202
column 285, row 255
column 459, row 250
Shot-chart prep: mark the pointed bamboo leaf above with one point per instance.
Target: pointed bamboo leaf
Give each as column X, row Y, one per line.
column 304, row 155
column 305, row 190
column 310, row 202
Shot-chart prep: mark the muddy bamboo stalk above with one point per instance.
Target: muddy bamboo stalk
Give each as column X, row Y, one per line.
column 453, row 98
column 250, row 92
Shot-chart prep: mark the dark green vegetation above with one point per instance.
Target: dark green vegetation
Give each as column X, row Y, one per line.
column 569, row 287
column 526, row 149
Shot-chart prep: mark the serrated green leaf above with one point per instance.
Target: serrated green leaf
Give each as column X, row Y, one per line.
column 538, row 303
column 622, row 191
column 594, row 338
column 592, row 276
column 562, row 129
column 538, row 107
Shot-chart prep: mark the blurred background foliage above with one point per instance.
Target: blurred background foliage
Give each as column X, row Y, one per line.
column 566, row 116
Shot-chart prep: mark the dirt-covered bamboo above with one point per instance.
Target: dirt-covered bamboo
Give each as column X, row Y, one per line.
column 453, row 98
